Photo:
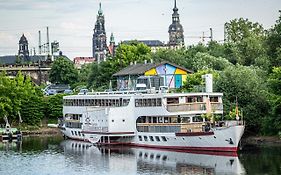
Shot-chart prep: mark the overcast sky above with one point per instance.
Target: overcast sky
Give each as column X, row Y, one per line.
column 71, row 22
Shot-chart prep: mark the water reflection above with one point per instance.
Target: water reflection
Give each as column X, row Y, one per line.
column 53, row 155
column 150, row 161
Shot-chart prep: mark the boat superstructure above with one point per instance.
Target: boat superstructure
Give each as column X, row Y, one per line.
column 152, row 119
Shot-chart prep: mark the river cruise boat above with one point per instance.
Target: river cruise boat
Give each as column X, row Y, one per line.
column 153, row 118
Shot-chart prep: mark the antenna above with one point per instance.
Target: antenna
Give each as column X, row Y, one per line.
column 48, row 41
column 39, row 43
column 211, row 34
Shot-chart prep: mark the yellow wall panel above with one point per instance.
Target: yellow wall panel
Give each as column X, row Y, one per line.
column 180, row 71
column 150, row 72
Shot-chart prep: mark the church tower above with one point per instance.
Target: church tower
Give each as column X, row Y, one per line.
column 176, row 37
column 23, row 47
column 99, row 38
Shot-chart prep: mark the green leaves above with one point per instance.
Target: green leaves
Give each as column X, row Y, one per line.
column 63, row 72
column 20, row 95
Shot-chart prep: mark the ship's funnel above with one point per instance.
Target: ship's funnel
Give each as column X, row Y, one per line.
column 208, row 82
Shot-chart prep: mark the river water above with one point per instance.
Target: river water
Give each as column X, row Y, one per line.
column 53, row 155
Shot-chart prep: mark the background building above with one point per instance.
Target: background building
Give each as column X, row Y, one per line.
column 79, row 61
column 173, row 75
column 99, row 38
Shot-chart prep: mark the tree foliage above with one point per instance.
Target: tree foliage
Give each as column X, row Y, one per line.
column 245, row 84
column 274, row 43
column 19, row 97
column 63, row 72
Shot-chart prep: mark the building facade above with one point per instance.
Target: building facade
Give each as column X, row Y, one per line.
column 79, row 61
column 173, row 76
column 99, row 37
column 176, row 37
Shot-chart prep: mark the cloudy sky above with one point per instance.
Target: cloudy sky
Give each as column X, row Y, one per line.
column 71, row 22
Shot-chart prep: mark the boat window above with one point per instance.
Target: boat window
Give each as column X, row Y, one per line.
column 197, row 119
column 123, row 120
column 72, row 133
column 173, row 100
column 148, row 102
column 145, row 138
column 140, row 138
column 151, row 138
column 159, row 102
column 112, row 120
column 193, row 99
column 164, row 138
column 214, row 99
column 157, row 138
column 158, row 156
column 75, row 133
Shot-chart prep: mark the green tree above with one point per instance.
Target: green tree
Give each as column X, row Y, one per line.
column 239, row 29
column 63, row 71
column 247, row 84
column 195, row 82
column 54, row 106
column 272, row 123
column 129, row 53
column 205, row 61
column 246, row 43
column 273, row 42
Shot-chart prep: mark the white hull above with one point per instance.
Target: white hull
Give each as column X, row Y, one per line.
column 222, row 139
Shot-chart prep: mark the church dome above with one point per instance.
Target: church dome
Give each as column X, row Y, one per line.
column 175, row 27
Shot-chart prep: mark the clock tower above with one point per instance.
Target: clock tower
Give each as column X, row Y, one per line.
column 176, row 37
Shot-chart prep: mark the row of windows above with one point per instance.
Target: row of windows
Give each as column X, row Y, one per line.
column 151, row 156
column 77, row 133
column 152, row 138
column 73, row 116
column 96, row 102
column 148, row 102
column 190, row 99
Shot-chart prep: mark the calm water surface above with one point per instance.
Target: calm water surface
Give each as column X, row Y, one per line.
column 53, row 155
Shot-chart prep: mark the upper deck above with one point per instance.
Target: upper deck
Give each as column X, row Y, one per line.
column 172, row 102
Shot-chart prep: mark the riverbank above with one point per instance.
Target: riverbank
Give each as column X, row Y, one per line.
column 42, row 131
column 261, row 140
